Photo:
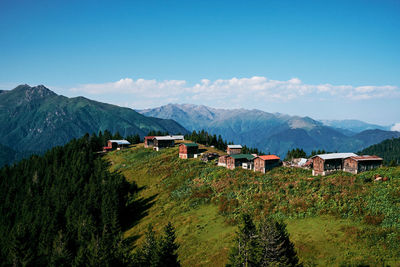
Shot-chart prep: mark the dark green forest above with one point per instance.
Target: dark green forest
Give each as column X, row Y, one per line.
column 64, row 208
column 389, row 150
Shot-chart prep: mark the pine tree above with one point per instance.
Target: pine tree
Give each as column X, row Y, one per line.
column 168, row 248
column 244, row 253
column 276, row 248
column 148, row 254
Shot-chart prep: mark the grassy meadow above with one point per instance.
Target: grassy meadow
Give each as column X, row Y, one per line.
column 337, row 220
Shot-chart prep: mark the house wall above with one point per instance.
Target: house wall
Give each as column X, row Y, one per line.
column 230, row 163
column 259, row 165
column 163, row 143
column 148, row 143
column 222, row 161
column 318, row 166
column 187, row 152
column 269, row 164
column 368, row 165
column 233, row 151
column 350, row 165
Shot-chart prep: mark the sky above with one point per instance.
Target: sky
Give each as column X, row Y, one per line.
column 323, row 59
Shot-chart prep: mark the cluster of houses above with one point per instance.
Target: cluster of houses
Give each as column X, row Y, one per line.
column 322, row 164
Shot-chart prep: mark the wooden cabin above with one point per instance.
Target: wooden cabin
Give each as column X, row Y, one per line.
column 115, row 145
column 188, row 150
column 237, row 160
column 361, row 163
column 161, row 142
column 327, row 163
column 265, row 163
column 234, row 149
column 149, row 141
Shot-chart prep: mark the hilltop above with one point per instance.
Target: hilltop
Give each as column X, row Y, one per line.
column 333, row 220
column 36, row 119
column 275, row 133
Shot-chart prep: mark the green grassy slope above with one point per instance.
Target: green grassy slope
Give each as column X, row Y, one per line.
column 333, row 220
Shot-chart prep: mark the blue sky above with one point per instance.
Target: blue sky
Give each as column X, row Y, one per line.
column 324, row 59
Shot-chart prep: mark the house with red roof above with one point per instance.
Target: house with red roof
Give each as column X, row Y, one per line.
column 265, row 163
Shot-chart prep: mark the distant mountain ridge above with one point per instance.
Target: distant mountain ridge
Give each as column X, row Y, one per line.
column 36, row 119
column 350, row 127
column 270, row 132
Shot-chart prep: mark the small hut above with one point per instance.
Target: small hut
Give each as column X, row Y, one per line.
column 188, row 150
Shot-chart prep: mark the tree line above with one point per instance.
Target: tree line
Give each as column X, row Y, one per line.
column 204, row 138
column 300, row 153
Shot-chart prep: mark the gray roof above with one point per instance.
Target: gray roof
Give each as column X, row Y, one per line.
column 170, row 137
column 234, row 146
column 336, row 156
column 120, row 142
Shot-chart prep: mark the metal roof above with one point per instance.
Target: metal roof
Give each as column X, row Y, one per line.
column 178, row 137
column 269, row 157
column 164, row 138
column 190, row 144
column 242, row 156
column 234, row 146
column 120, row 142
column 169, row 137
column 336, row 156
column 366, row 157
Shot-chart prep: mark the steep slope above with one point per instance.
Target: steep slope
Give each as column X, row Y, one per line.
column 35, row 118
column 270, row 132
column 204, row 203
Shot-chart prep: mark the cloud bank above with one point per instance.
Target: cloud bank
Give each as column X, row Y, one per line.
column 234, row 90
column 396, row 127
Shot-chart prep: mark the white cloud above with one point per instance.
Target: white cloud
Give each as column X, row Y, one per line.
column 396, row 127
column 234, row 90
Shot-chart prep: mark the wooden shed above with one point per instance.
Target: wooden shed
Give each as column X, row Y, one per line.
column 116, row 145
column 359, row 164
column 237, row 160
column 234, row 149
column 324, row 164
column 163, row 142
column 188, row 150
column 265, row 163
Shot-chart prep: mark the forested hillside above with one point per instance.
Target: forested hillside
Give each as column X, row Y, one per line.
column 64, row 208
column 389, row 150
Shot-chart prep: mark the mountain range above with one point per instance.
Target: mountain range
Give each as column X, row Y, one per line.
column 273, row 132
column 35, row 119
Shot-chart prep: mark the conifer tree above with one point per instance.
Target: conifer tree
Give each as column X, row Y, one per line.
column 276, row 248
column 244, row 252
column 168, row 248
column 148, row 254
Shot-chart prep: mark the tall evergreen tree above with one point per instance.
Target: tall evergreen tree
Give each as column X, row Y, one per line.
column 168, row 248
column 276, row 248
column 148, row 254
column 244, row 252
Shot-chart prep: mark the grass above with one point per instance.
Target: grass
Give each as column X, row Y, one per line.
column 340, row 219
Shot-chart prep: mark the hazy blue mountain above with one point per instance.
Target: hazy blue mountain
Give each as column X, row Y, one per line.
column 269, row 132
column 35, row 119
column 350, row 127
